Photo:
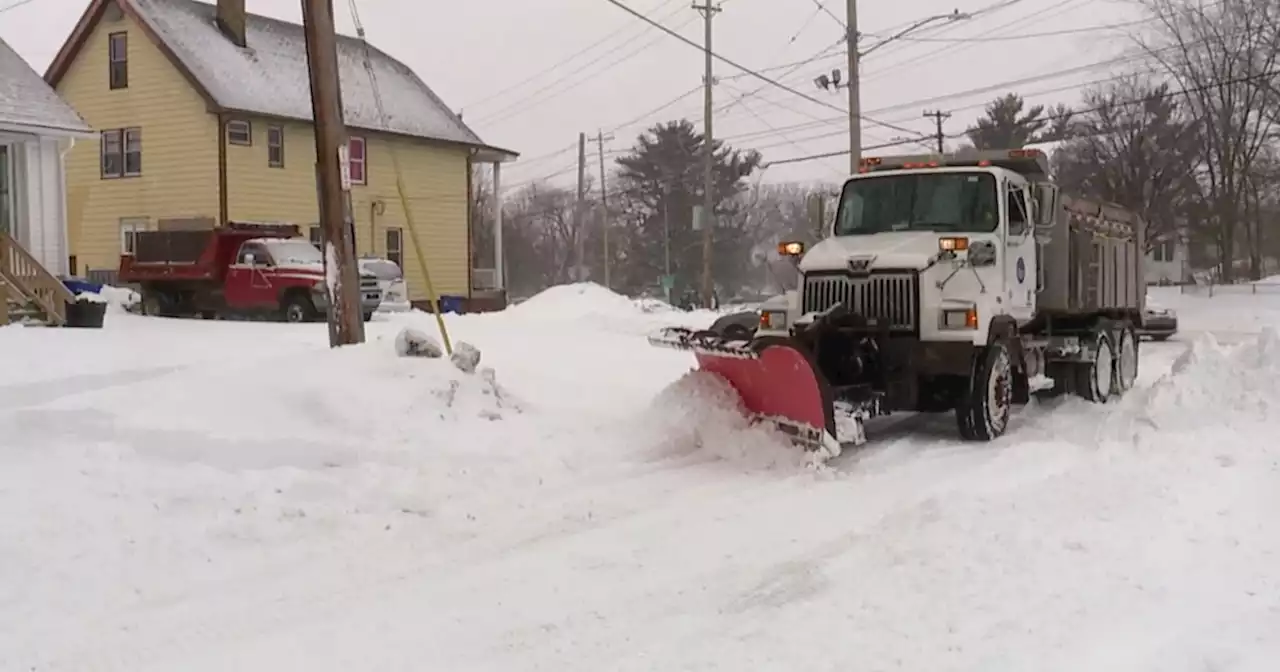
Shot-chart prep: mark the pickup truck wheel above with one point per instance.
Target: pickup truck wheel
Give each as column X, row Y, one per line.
column 984, row 409
column 298, row 308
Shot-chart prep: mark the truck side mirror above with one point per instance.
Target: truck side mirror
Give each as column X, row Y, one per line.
column 1046, row 204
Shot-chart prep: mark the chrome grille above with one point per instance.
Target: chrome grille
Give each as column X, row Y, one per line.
column 881, row 298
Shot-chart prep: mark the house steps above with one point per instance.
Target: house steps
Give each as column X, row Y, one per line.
column 29, row 292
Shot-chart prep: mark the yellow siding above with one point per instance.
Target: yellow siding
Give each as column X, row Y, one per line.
column 179, row 151
column 435, row 180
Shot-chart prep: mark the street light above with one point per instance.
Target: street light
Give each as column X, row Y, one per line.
column 833, row 81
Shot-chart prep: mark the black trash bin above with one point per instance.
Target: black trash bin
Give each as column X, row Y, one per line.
column 86, row 314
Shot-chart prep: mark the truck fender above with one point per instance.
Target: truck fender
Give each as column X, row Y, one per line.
column 1004, row 329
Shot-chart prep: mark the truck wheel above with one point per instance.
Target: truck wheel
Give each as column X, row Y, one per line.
column 1095, row 381
column 297, row 308
column 1126, row 369
column 983, row 411
column 368, row 317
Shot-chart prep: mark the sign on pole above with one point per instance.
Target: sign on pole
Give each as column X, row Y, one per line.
column 344, row 162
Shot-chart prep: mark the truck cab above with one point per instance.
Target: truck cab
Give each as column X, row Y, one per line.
column 938, row 248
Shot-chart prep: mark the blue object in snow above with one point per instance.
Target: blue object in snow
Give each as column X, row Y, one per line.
column 451, row 304
column 79, row 286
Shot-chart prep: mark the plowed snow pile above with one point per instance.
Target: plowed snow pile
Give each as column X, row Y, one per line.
column 701, row 413
column 1211, row 384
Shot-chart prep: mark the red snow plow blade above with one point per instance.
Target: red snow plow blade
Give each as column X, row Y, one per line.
column 778, row 382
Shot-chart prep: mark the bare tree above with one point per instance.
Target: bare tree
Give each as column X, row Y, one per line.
column 1135, row 146
column 1224, row 56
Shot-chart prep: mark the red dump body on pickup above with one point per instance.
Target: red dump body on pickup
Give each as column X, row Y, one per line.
column 238, row 270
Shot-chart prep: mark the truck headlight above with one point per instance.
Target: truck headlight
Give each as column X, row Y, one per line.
column 959, row 318
column 773, row 320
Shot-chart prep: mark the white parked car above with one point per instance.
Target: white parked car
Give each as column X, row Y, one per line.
column 395, row 293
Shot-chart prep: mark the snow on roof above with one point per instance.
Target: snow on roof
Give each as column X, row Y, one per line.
column 270, row 77
column 26, row 101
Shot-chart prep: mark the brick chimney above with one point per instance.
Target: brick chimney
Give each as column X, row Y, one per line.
column 231, row 20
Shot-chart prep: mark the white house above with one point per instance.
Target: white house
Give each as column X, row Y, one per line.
column 37, row 128
column 1166, row 263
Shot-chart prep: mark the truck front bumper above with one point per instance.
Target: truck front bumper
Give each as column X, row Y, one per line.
column 369, row 300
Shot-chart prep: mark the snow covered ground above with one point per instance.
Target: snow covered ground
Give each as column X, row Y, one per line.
column 188, row 495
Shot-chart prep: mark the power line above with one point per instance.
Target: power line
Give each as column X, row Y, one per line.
column 1031, row 36
column 929, row 56
column 623, row 6
column 1110, row 105
column 505, row 90
column 774, row 131
column 15, row 5
column 521, row 105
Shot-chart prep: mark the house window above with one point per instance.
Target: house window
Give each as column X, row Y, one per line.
column 275, row 147
column 118, row 60
column 121, row 152
column 317, row 236
column 356, row 160
column 1163, row 251
column 395, row 247
column 129, row 228
column 239, row 132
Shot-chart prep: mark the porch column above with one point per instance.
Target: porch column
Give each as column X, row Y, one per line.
column 499, row 259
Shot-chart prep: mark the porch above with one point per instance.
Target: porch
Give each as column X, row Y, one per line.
column 33, row 231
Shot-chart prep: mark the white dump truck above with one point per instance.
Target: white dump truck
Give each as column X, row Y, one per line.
column 949, row 282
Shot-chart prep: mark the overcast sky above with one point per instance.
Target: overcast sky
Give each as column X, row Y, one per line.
column 530, row 74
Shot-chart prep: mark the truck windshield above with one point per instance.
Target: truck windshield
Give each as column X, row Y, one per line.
column 959, row 202
column 296, row 252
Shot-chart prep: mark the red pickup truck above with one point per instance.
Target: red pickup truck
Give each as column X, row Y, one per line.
column 239, row 270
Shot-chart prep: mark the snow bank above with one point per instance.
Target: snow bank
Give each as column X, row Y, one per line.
column 1212, row 384
column 587, row 303
column 120, row 299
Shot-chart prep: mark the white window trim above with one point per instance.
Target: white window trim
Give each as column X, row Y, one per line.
column 363, row 160
column 132, row 225
column 399, row 249
column 239, row 124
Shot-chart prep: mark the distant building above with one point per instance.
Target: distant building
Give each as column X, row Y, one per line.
column 205, row 117
column 1167, row 263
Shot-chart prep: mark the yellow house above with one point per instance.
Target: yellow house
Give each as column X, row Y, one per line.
column 204, row 113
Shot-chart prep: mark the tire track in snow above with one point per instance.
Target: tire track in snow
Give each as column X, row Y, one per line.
column 24, row 395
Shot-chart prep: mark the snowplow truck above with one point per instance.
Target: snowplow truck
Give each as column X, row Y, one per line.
column 962, row 283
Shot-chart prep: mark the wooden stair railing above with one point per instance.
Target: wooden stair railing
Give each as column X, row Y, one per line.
column 22, row 278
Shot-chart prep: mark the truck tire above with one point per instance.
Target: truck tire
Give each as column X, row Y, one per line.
column 984, row 409
column 1127, row 357
column 297, row 308
column 1095, row 381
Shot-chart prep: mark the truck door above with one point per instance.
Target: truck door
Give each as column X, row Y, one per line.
column 247, row 286
column 1020, row 254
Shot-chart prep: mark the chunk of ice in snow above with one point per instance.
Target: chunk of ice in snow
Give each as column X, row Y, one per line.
column 466, row 357
column 411, row 342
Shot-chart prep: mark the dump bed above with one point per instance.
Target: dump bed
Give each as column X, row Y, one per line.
column 202, row 254
column 1092, row 259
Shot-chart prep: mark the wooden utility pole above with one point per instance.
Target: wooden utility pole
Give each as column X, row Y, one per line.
column 708, row 156
column 600, row 139
column 346, row 323
column 855, row 87
column 578, row 227
column 938, row 117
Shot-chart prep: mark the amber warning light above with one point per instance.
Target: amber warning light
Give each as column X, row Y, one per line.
column 791, row 249
column 953, row 244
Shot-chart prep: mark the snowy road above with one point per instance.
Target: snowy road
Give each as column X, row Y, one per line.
column 199, row 496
